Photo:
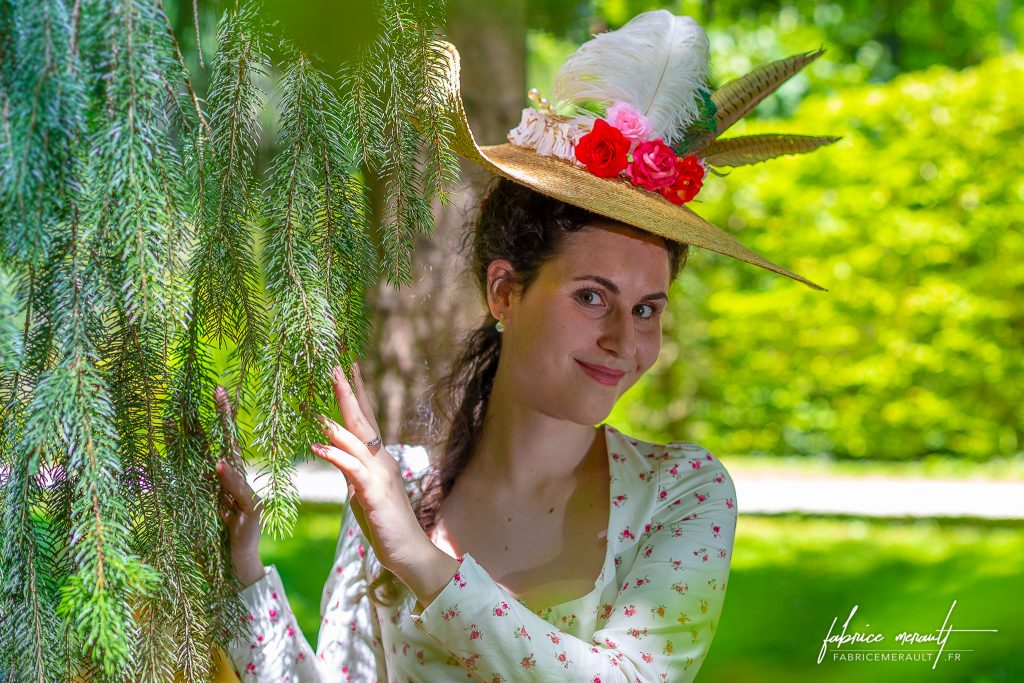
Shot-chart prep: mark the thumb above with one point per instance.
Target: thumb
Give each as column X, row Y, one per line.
column 234, row 483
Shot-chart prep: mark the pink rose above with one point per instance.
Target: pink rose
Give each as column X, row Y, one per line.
column 630, row 123
column 654, row 165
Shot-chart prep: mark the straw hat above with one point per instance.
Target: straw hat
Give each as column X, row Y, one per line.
column 648, row 78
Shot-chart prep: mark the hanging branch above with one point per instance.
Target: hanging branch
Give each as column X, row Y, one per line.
column 225, row 269
column 130, row 154
column 442, row 168
column 41, row 116
column 72, row 410
column 129, row 214
column 42, row 105
column 303, row 344
column 342, row 234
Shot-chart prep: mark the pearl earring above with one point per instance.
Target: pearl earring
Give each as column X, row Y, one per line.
column 500, row 325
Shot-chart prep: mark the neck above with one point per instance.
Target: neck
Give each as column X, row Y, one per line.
column 530, row 451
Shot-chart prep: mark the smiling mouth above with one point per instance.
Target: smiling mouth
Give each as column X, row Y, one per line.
column 601, row 376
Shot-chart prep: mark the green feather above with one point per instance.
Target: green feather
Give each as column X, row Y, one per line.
column 705, row 125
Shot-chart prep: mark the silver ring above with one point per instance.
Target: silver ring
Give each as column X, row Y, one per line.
column 375, row 441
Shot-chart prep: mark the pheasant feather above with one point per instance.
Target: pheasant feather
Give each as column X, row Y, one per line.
column 752, row 149
column 657, row 63
column 736, row 98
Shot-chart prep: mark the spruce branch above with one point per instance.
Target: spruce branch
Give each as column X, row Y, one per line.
column 129, row 210
column 129, row 152
column 225, row 266
column 43, row 105
column 201, row 600
column 304, row 341
column 442, row 168
column 343, row 239
column 30, row 619
column 69, row 427
column 183, row 69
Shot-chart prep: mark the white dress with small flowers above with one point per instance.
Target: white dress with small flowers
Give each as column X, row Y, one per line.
column 651, row 615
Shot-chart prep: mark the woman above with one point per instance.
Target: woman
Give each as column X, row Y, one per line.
column 531, row 501
column 479, row 560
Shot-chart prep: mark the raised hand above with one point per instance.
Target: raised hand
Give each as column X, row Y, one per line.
column 376, row 487
column 240, row 506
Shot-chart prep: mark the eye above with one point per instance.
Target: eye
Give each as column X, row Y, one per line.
column 587, row 296
column 584, row 293
column 655, row 311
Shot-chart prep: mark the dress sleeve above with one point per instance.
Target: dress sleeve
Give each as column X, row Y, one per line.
column 662, row 622
column 348, row 646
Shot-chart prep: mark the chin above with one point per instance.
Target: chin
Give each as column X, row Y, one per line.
column 590, row 410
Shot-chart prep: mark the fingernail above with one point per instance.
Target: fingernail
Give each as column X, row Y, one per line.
column 317, row 448
column 323, row 421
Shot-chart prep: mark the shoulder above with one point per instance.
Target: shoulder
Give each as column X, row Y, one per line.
column 682, row 470
column 692, row 463
column 689, row 456
column 691, row 478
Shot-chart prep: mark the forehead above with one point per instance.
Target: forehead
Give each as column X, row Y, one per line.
column 621, row 253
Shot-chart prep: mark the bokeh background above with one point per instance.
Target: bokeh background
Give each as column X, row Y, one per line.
column 910, row 366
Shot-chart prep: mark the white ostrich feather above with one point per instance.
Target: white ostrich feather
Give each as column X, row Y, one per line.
column 657, row 63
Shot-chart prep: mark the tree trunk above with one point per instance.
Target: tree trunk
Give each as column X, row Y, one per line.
column 417, row 328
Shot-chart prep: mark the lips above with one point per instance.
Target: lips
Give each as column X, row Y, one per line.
column 601, row 373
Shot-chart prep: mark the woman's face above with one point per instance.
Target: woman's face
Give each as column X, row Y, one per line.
column 598, row 303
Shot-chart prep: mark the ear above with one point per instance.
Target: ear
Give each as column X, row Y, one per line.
column 499, row 287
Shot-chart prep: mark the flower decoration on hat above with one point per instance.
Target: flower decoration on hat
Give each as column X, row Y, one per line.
column 640, row 110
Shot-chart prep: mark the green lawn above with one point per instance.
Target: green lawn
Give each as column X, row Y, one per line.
column 791, row 576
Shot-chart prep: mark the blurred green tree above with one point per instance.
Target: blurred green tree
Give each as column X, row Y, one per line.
column 913, row 221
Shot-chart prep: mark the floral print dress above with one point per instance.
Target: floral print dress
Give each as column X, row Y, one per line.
column 651, row 615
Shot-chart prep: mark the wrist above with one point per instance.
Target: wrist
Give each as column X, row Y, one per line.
column 250, row 571
column 428, row 578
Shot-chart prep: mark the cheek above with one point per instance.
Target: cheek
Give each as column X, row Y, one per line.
column 648, row 349
column 564, row 325
column 544, row 338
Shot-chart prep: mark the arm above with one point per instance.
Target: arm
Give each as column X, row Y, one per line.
column 348, row 644
column 662, row 623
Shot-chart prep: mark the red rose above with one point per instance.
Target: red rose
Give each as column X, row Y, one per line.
column 689, row 181
column 654, row 165
column 603, row 150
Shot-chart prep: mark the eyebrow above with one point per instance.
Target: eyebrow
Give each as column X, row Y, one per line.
column 613, row 288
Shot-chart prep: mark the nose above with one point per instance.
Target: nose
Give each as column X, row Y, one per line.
column 619, row 335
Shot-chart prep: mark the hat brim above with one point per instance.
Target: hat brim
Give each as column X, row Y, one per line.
column 613, row 198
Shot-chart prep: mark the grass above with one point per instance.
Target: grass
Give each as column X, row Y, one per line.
column 791, row 576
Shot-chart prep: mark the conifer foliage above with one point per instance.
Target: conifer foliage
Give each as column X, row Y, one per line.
column 137, row 236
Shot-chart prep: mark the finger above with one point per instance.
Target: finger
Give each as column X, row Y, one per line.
column 345, row 440
column 236, row 485
column 350, row 465
column 355, row 418
column 227, row 499
column 364, row 400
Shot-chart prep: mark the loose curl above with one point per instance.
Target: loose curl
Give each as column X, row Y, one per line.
column 527, row 229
